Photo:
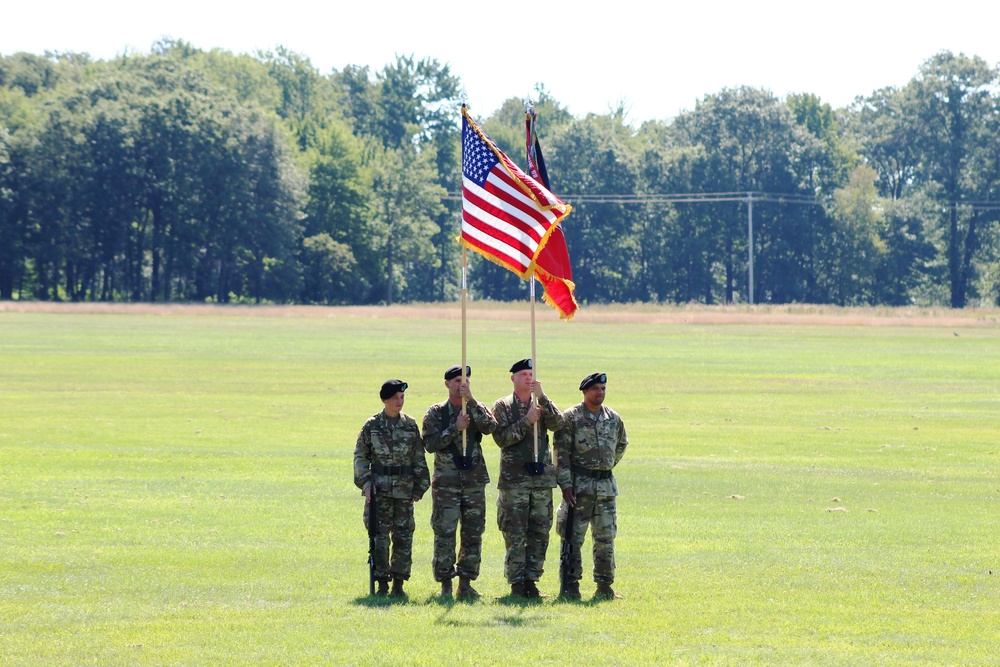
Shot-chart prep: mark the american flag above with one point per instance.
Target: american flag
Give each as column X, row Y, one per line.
column 507, row 216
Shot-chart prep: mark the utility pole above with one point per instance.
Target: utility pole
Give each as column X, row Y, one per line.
column 750, row 243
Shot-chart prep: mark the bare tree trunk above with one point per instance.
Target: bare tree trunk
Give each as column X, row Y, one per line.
column 388, row 272
column 954, row 259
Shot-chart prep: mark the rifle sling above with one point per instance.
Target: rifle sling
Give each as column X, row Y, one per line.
column 473, row 437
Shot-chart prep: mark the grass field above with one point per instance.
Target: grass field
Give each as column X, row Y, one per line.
column 176, row 490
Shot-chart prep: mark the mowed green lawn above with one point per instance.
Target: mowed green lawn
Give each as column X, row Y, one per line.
column 177, row 490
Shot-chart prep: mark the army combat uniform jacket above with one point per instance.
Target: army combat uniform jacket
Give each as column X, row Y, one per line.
column 588, row 447
column 445, row 441
column 391, row 457
column 514, row 435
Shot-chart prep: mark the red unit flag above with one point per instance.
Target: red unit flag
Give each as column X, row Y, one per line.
column 552, row 267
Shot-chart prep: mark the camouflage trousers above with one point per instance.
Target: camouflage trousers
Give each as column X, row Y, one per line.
column 395, row 522
column 600, row 513
column 452, row 505
column 525, row 519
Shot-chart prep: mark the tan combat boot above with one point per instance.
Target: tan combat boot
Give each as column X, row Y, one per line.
column 465, row 589
column 605, row 592
column 572, row 591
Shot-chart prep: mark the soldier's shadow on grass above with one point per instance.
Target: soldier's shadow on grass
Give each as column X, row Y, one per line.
column 523, row 603
column 377, row 601
column 449, row 601
column 515, row 618
column 592, row 602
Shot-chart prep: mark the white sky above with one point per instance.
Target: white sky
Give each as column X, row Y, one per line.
column 659, row 59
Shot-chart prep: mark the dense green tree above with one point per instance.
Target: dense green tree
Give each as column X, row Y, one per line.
column 255, row 82
column 30, row 73
column 886, row 134
column 18, row 136
column 752, row 143
column 887, row 131
column 675, row 240
column 407, row 201
column 596, row 156
column 186, row 174
column 505, row 126
column 854, row 248
column 951, row 100
column 56, row 192
column 419, row 101
column 825, row 165
column 908, row 272
column 10, row 242
column 413, row 104
column 339, row 262
column 148, row 183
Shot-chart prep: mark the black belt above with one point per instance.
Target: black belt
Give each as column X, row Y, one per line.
column 596, row 474
column 380, row 469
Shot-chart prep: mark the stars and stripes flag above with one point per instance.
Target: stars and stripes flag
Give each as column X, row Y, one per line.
column 507, row 216
column 552, row 265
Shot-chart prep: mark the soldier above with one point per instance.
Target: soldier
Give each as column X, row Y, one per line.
column 524, row 501
column 590, row 444
column 458, row 489
column 390, row 455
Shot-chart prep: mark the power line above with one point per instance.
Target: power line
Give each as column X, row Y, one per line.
column 719, row 197
column 748, row 198
column 693, row 198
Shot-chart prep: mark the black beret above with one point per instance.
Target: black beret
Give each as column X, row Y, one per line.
column 391, row 387
column 455, row 371
column 592, row 379
column 523, row 365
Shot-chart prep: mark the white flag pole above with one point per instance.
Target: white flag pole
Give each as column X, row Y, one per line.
column 534, row 364
column 465, row 449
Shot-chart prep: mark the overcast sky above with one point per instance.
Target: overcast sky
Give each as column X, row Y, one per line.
column 658, row 59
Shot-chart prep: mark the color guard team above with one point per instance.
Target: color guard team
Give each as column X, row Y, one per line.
column 589, row 440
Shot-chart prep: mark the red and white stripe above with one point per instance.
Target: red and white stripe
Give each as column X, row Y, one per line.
column 503, row 221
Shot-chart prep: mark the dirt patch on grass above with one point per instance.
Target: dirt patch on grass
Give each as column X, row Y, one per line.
column 611, row 314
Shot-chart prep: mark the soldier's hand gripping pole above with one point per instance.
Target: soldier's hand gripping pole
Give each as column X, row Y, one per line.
column 372, row 533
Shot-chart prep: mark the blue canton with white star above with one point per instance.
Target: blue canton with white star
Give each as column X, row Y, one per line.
column 477, row 158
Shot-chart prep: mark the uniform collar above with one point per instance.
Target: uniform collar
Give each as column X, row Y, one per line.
column 386, row 419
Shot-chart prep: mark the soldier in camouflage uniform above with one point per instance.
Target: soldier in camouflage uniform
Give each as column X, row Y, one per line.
column 524, row 500
column 458, row 488
column 590, row 444
column 389, row 455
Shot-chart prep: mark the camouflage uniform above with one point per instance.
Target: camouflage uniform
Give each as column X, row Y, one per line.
column 524, row 501
column 587, row 448
column 392, row 456
column 457, row 494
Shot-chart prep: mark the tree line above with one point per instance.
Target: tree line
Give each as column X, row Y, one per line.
column 191, row 175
